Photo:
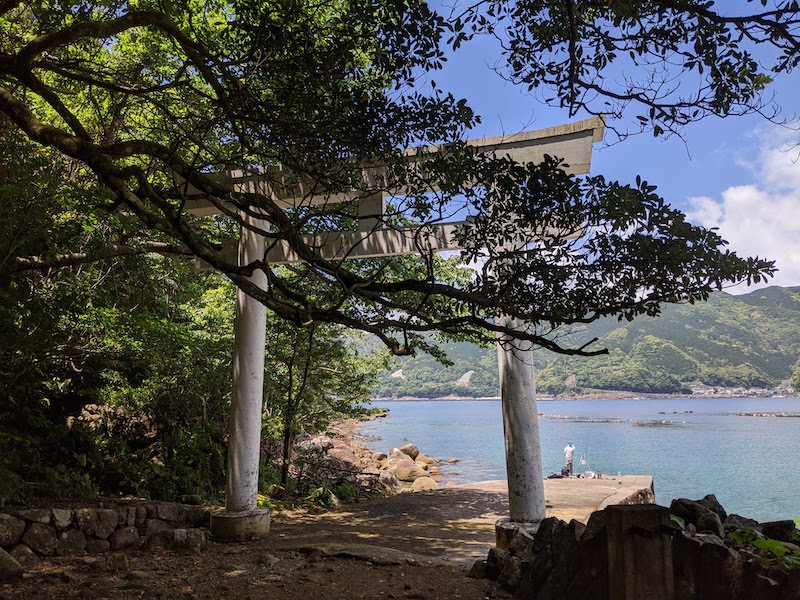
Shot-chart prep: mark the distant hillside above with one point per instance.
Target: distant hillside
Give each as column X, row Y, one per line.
column 750, row 341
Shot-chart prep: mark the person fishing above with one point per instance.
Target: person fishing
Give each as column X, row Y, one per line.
column 569, row 453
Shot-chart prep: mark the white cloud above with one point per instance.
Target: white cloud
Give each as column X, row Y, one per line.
column 762, row 218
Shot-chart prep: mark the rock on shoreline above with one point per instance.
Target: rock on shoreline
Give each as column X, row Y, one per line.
column 402, row 469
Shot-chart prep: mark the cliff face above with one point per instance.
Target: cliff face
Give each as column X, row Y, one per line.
column 746, row 341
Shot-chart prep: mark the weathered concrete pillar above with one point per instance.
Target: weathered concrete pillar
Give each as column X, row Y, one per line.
column 371, row 212
column 521, row 429
column 639, row 552
column 242, row 519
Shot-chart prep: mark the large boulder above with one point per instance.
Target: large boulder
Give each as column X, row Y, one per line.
column 479, row 570
column 389, row 464
column 710, row 502
column 9, row 567
column 705, row 568
column 160, row 540
column 11, row 529
column 86, row 518
column 194, row 541
column 196, row 516
column 344, row 454
column 153, row 525
column 35, row 515
column 25, row 556
column 693, row 513
column 424, row 458
column 71, row 542
column 710, row 523
column 125, row 537
column 141, row 516
column 495, row 561
column 167, row 512
column 407, row 470
column 784, row 531
column 423, row 484
column 389, row 482
column 411, row 450
column 323, row 442
column 98, row 546
column 62, row 518
column 307, row 446
column 565, row 560
column 318, row 443
column 504, row 567
column 41, row 539
column 126, row 516
column 107, row 520
column 734, row 521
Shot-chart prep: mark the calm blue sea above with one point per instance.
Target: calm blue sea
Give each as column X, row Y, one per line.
column 752, row 464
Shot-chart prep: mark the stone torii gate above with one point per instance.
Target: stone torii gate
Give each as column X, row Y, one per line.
column 242, row 519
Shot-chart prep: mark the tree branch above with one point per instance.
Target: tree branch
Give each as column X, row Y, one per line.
column 21, row 264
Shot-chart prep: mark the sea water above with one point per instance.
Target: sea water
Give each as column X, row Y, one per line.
column 702, row 447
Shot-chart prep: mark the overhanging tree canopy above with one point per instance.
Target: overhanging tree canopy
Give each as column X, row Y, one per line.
column 322, row 97
column 672, row 62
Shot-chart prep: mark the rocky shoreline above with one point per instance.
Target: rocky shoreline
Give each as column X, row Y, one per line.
column 720, row 394
column 340, row 451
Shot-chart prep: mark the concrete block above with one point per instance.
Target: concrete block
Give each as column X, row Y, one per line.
column 240, row 526
column 507, row 531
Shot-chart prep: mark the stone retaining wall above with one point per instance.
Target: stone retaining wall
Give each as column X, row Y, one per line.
column 26, row 535
column 705, row 560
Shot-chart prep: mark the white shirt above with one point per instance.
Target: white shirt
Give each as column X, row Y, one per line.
column 568, row 452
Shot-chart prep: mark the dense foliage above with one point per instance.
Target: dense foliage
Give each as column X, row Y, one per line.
column 321, row 100
column 747, row 341
column 116, row 374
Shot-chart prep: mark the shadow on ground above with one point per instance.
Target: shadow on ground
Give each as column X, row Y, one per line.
column 455, row 523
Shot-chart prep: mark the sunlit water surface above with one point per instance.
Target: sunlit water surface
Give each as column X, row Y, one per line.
column 752, row 464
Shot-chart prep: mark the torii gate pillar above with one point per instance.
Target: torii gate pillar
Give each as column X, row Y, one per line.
column 520, row 428
column 242, row 519
column 521, row 434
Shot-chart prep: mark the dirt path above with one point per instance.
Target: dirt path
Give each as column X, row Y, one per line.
column 246, row 571
column 454, row 524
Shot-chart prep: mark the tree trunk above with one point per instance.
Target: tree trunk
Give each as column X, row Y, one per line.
column 288, row 438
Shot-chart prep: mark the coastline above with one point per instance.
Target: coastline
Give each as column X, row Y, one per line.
column 423, row 473
column 765, row 394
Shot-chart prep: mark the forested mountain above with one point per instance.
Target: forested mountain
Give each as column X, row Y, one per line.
column 751, row 341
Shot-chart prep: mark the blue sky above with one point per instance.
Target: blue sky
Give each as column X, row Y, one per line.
column 739, row 174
